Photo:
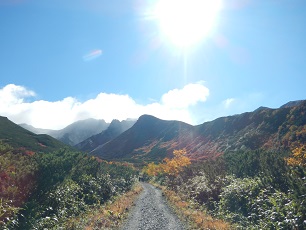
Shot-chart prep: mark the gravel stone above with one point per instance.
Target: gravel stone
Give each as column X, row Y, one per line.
column 152, row 212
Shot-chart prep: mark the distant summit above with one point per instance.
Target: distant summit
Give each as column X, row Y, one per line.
column 73, row 133
column 151, row 139
column 291, row 104
column 261, row 108
column 114, row 129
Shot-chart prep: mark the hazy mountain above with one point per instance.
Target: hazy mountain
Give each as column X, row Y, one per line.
column 73, row 133
column 114, row 129
column 19, row 137
column 36, row 130
column 152, row 139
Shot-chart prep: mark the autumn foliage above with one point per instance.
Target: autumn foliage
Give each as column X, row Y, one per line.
column 169, row 166
column 298, row 157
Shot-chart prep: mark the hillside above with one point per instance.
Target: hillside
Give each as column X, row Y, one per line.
column 73, row 133
column 148, row 139
column 19, row 137
column 114, row 129
column 152, row 139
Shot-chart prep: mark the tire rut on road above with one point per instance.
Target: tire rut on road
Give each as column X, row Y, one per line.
column 152, row 212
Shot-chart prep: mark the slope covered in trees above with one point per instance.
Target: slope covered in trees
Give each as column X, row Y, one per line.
column 151, row 139
column 252, row 172
column 249, row 189
column 46, row 190
column 19, row 137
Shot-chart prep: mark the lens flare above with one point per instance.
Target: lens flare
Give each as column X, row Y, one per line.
column 186, row 22
column 92, row 55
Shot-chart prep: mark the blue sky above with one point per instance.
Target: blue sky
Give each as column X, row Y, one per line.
column 62, row 61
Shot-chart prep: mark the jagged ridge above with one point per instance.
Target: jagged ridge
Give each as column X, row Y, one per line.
column 152, row 139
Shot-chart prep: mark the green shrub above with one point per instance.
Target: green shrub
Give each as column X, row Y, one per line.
column 66, row 183
column 65, row 201
column 237, row 196
column 276, row 210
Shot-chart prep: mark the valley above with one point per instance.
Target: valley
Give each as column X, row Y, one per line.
column 45, row 182
column 158, row 114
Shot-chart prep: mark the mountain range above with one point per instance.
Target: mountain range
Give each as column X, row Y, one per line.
column 84, row 132
column 73, row 133
column 152, row 139
column 114, row 129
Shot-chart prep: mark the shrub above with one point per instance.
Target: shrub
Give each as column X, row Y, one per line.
column 276, row 209
column 236, row 197
column 204, row 190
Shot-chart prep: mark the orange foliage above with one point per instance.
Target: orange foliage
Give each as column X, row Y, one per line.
column 175, row 165
column 199, row 219
column 298, row 157
column 170, row 166
column 153, row 169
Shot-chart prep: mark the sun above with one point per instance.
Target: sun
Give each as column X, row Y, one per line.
column 186, row 22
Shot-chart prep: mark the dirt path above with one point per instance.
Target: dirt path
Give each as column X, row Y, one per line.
column 152, row 212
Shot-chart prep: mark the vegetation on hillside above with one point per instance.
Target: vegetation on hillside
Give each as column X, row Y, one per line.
column 18, row 137
column 44, row 187
column 45, row 190
column 250, row 189
column 170, row 166
column 298, row 157
column 152, row 139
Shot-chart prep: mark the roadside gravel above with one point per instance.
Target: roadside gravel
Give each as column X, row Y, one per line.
column 152, row 212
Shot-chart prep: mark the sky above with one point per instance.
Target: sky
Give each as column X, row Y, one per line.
column 193, row 61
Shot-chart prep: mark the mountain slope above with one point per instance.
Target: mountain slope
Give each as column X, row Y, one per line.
column 269, row 129
column 81, row 130
column 36, row 130
column 19, row 137
column 152, row 139
column 114, row 129
column 292, row 104
column 73, row 133
column 144, row 138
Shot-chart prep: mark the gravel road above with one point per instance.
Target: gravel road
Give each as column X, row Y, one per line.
column 152, row 212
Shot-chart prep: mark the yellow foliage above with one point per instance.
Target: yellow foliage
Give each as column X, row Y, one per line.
column 298, row 157
column 175, row 165
column 170, row 166
column 153, row 169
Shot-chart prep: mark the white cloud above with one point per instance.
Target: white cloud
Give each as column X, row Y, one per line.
column 174, row 105
column 12, row 94
column 228, row 102
column 183, row 98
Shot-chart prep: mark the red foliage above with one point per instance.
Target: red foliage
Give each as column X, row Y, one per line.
column 29, row 153
column 42, row 145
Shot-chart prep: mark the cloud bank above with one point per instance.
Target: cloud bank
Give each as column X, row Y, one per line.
column 173, row 105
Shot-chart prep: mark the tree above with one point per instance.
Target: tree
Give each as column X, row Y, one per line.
column 170, row 166
column 177, row 163
column 298, row 157
column 153, row 169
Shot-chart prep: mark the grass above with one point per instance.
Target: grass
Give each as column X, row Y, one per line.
column 110, row 215
column 192, row 214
